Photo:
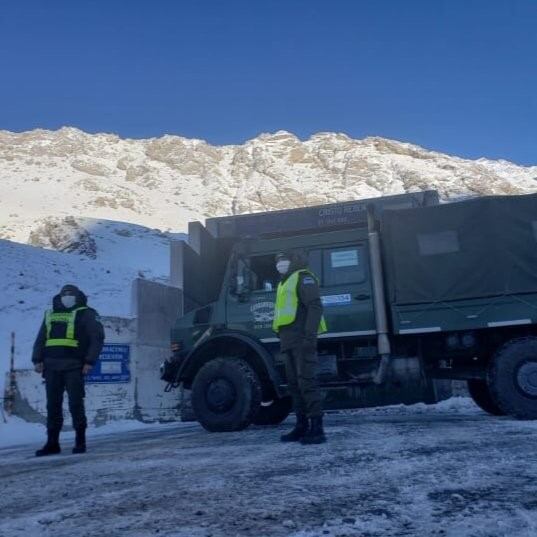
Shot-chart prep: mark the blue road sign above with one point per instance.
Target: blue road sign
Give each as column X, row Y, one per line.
column 112, row 365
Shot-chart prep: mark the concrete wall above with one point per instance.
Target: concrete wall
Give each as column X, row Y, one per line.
column 176, row 263
column 155, row 307
column 104, row 402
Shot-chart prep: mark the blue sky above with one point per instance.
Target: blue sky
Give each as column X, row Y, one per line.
column 458, row 76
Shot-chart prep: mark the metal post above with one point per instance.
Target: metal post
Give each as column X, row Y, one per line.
column 379, row 300
column 10, row 399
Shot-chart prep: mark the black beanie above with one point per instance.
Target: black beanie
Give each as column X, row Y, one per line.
column 284, row 254
column 69, row 288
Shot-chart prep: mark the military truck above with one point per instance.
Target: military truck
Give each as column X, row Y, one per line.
column 416, row 293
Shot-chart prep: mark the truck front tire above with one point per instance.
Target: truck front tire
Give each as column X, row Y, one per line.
column 226, row 394
column 273, row 413
column 512, row 378
column 480, row 393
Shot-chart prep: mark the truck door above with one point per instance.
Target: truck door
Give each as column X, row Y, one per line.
column 343, row 273
column 250, row 303
column 346, row 291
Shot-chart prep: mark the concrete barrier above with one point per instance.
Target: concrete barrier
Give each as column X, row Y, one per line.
column 104, row 402
column 156, row 307
column 142, row 397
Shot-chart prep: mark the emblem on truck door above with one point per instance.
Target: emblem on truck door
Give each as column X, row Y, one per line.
column 263, row 312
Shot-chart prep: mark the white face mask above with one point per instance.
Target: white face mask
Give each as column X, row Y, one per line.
column 68, row 301
column 283, row 266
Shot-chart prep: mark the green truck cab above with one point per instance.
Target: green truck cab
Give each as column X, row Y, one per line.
column 415, row 294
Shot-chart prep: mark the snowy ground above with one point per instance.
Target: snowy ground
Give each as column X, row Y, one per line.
column 446, row 470
column 14, row 431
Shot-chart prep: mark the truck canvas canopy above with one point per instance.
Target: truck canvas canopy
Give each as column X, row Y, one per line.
column 474, row 248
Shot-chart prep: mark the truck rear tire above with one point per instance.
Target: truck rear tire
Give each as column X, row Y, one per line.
column 226, row 394
column 512, row 378
column 480, row 393
column 274, row 413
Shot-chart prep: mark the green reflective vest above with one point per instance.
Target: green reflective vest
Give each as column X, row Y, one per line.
column 68, row 318
column 287, row 302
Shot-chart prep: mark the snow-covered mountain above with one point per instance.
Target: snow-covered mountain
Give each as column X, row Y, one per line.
column 108, row 206
column 162, row 183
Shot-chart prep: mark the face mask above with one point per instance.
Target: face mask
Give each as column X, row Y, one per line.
column 283, row 266
column 68, row 301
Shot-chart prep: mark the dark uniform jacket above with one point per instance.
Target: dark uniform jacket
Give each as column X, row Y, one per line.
column 303, row 331
column 88, row 330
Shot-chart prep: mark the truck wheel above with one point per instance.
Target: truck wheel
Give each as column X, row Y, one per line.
column 273, row 413
column 480, row 393
column 226, row 394
column 512, row 378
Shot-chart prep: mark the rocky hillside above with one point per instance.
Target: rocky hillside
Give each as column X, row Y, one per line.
column 53, row 181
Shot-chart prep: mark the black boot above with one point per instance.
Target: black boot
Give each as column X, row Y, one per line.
column 52, row 447
column 301, row 428
column 80, row 441
column 315, row 434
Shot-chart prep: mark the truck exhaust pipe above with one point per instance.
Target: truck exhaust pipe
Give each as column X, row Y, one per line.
column 379, row 299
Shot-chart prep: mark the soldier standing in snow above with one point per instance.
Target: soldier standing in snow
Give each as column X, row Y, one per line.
column 66, row 348
column 298, row 318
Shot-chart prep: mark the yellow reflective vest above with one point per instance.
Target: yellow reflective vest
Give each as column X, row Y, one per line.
column 69, row 319
column 287, row 300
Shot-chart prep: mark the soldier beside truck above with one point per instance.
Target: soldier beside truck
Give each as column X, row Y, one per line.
column 298, row 319
column 415, row 294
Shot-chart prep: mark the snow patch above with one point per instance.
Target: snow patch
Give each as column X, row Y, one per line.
column 14, row 431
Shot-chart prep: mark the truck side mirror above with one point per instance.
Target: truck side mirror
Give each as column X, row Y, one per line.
column 240, row 286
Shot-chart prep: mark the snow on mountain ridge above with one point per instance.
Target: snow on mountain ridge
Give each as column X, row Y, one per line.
column 166, row 182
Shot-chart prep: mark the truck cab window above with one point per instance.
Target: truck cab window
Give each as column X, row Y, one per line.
column 263, row 273
column 343, row 265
